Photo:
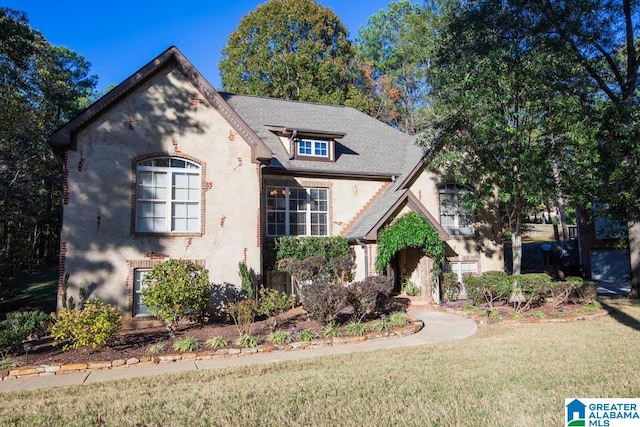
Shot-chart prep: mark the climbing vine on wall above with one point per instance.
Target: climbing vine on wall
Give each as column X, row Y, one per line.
column 410, row 231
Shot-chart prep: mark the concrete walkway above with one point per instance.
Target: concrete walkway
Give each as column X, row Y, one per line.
column 438, row 327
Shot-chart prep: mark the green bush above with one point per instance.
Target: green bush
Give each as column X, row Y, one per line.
column 92, row 326
column 369, row 296
column 450, row 286
column 410, row 288
column 561, row 291
column 398, row 319
column 307, row 335
column 323, row 301
column 20, row 326
column 175, row 289
column 331, row 331
column 247, row 280
column 533, row 287
column 490, row 287
column 273, row 303
column 357, row 328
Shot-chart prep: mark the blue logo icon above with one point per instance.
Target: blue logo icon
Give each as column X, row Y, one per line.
column 576, row 413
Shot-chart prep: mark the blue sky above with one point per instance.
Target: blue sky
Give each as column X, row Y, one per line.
column 119, row 36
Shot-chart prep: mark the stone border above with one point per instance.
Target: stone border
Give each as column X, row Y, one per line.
column 484, row 320
column 412, row 327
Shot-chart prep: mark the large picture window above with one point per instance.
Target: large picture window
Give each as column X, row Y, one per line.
column 295, row 211
column 168, row 196
column 455, row 217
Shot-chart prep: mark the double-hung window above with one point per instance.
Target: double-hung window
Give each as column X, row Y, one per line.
column 168, row 196
column 139, row 308
column 294, row 211
column 455, row 217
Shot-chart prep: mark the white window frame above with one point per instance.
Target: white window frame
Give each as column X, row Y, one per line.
column 139, row 309
column 457, row 213
column 313, row 148
column 279, row 203
column 457, row 268
column 168, row 177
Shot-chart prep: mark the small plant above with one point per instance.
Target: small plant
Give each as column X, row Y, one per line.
column 382, row 326
column 539, row 315
column 92, row 326
column 307, row 335
column 156, row 348
column 493, row 314
column 516, row 315
column 8, row 364
column 243, row 314
column 410, row 288
column 591, row 307
column 280, row 337
column 357, row 328
column 398, row 319
column 186, row 345
column 247, row 341
column 216, row 342
column 331, row 331
column 247, row 280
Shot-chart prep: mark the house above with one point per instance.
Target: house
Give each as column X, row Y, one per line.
column 164, row 166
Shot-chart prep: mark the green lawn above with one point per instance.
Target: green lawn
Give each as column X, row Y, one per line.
column 39, row 292
column 506, row 375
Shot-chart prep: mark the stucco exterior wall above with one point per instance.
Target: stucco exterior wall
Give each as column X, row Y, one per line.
column 485, row 248
column 165, row 115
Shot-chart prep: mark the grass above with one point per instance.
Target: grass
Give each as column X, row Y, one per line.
column 38, row 291
column 505, row 375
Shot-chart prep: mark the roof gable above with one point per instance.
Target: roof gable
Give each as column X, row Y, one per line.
column 65, row 136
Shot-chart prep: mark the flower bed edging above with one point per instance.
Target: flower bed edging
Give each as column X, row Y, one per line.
column 414, row 325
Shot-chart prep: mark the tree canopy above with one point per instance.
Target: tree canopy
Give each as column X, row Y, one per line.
column 290, row 49
column 41, row 86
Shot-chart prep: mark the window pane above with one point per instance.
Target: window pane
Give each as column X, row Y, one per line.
column 320, row 148
column 151, row 216
column 139, row 307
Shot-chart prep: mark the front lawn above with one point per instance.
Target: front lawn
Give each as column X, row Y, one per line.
column 505, row 375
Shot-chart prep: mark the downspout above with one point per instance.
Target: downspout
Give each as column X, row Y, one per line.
column 366, row 256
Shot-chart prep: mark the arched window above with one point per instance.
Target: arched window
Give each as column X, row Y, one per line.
column 455, row 217
column 168, row 198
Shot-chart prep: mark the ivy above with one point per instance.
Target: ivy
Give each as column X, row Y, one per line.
column 410, row 231
column 311, row 246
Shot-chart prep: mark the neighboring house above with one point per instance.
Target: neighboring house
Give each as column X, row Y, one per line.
column 164, row 166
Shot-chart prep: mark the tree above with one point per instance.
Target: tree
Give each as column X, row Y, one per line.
column 291, row 49
column 41, row 86
column 601, row 36
column 495, row 109
column 394, row 51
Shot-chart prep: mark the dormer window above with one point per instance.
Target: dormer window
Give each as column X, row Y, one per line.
column 314, row 148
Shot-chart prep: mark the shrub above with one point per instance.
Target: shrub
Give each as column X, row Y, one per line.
column 534, row 287
column 398, row 319
column 93, row 326
column 176, row 288
column 450, row 286
column 273, row 303
column 247, row 341
column 490, row 287
column 243, row 314
column 187, row 344
column 331, row 330
column 307, row 335
column 369, row 296
column 20, row 326
column 382, row 326
column 357, row 328
column 323, row 301
column 280, row 337
column 247, row 280
column 216, row 342
column 561, row 291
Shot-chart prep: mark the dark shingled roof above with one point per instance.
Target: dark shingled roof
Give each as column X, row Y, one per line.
column 369, row 147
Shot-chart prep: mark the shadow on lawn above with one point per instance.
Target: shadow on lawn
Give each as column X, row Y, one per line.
column 616, row 308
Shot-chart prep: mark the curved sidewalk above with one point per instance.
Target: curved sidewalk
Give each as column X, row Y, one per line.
column 438, row 326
